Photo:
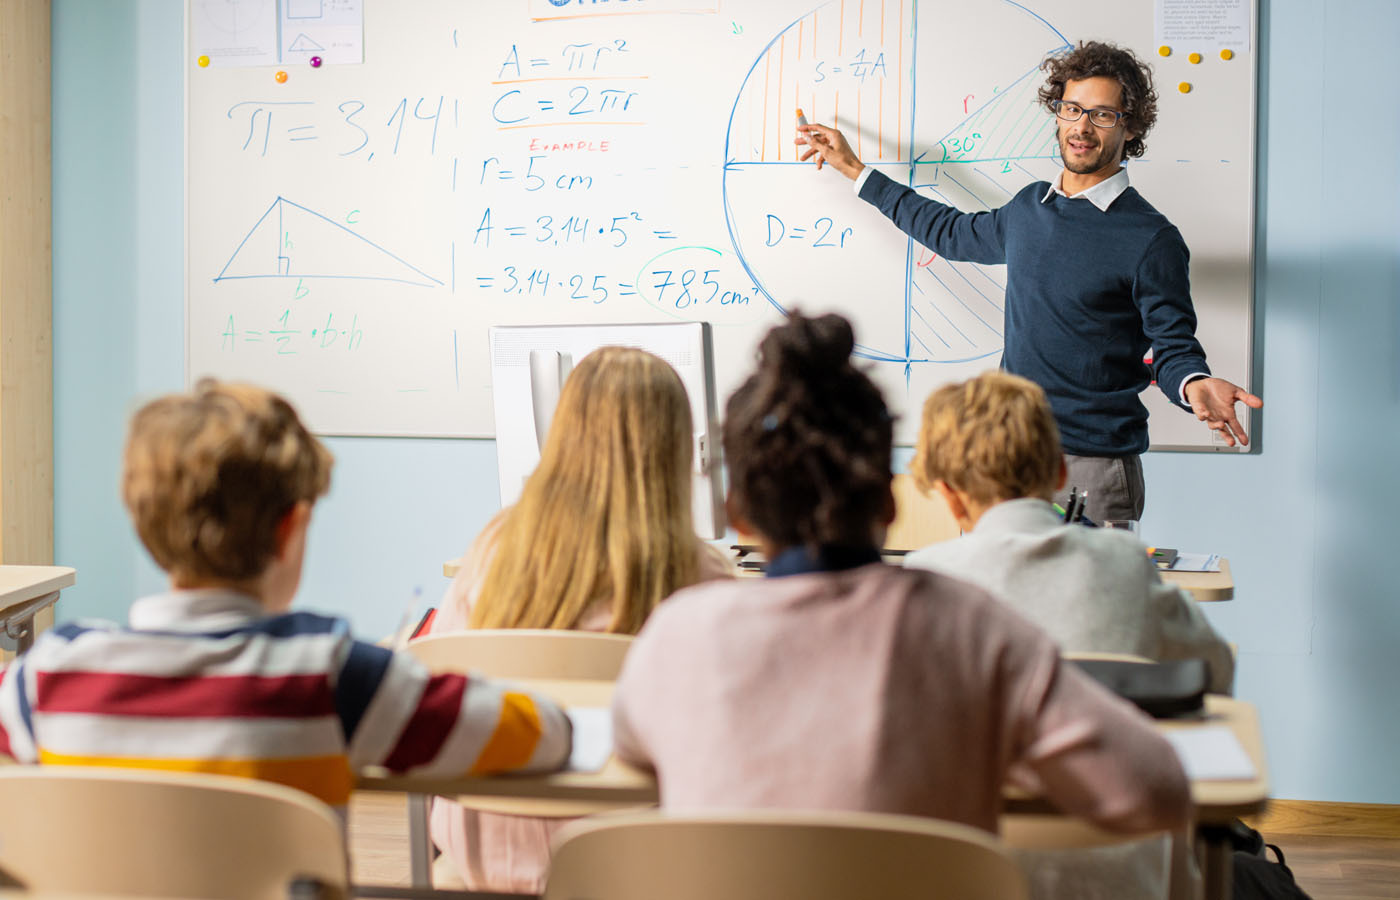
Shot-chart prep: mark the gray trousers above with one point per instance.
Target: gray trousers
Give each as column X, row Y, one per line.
column 1114, row 483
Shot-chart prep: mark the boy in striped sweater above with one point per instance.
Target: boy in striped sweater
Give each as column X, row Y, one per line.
column 217, row 675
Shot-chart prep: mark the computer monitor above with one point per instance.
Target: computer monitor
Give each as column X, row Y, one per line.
column 529, row 364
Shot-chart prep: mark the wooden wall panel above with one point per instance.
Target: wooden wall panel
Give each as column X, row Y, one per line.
column 26, row 284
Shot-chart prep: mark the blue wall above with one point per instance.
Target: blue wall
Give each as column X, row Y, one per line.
column 1307, row 522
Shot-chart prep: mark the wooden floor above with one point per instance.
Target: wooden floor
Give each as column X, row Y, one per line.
column 1327, row 866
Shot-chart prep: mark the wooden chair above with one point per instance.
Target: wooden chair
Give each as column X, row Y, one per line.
column 1109, row 657
column 526, row 653
column 129, row 832
column 756, row 855
column 544, row 654
column 1026, row 831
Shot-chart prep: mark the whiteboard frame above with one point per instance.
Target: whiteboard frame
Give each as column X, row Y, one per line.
column 1250, row 420
column 1157, row 406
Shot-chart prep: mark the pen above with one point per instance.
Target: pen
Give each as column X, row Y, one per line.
column 801, row 118
column 1079, row 511
column 1069, row 504
column 408, row 621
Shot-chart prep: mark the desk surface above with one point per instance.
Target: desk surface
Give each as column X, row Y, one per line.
column 1206, row 587
column 19, row 584
column 616, row 785
column 620, row 785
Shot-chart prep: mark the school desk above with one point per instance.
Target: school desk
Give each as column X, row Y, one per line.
column 619, row 785
column 616, row 785
column 24, row 592
column 1205, row 587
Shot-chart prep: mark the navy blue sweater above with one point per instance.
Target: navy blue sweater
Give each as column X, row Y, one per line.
column 1087, row 293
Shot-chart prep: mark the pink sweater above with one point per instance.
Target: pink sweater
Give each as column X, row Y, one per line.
column 491, row 851
column 882, row 689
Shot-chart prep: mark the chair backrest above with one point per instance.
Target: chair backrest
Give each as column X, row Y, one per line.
column 127, row 832
column 1026, row 831
column 919, row 519
column 1106, row 657
column 756, row 855
column 525, row 653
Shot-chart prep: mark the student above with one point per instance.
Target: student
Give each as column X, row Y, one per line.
column 216, row 675
column 601, row 534
column 839, row 682
column 990, row 447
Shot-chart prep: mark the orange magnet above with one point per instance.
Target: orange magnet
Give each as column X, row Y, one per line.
column 281, row 77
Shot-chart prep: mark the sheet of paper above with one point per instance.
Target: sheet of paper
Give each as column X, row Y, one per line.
column 331, row 29
column 593, row 737
column 1203, row 24
column 1211, row 753
column 234, row 32
column 1196, row 562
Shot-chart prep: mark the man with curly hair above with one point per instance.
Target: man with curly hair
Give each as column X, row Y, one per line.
column 1095, row 275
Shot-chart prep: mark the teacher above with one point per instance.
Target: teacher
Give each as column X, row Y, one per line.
column 1095, row 275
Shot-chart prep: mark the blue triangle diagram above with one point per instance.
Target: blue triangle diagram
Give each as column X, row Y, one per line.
column 304, row 44
column 1012, row 125
column 291, row 241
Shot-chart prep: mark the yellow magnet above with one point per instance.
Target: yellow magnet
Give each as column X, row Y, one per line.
column 1227, row 53
column 1184, row 87
column 203, row 61
column 1194, row 58
column 1164, row 50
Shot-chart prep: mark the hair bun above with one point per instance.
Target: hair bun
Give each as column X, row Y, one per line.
column 809, row 347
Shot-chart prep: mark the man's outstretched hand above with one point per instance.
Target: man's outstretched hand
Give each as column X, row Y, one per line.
column 829, row 146
column 1213, row 401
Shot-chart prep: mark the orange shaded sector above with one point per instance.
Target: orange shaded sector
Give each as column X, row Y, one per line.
column 767, row 71
column 899, row 93
column 782, row 53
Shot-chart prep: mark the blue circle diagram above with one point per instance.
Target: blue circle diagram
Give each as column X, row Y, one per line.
column 946, row 107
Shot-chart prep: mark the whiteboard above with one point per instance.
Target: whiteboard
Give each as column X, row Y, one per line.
column 354, row 231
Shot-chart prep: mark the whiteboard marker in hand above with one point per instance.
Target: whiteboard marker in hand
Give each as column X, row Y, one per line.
column 802, row 120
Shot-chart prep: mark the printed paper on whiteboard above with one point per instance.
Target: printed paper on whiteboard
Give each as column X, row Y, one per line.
column 1195, row 25
column 234, row 32
column 331, row 29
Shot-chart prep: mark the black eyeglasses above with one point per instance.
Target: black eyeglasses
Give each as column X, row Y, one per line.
column 1073, row 112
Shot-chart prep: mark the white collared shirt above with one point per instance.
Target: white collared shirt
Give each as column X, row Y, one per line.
column 1101, row 195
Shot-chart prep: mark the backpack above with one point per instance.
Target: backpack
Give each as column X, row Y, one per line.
column 1256, row 877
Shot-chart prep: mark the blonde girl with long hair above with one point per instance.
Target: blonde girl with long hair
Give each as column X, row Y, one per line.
column 601, row 534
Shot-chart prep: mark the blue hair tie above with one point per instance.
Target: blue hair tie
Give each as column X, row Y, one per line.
column 770, row 422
